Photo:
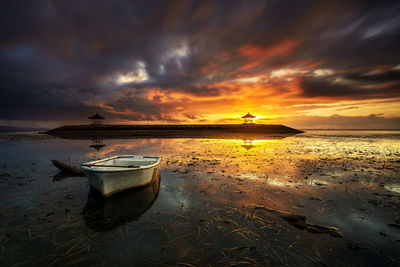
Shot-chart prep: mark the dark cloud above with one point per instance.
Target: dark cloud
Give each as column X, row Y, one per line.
column 348, row 108
column 355, row 85
column 316, row 86
column 61, row 59
column 385, row 76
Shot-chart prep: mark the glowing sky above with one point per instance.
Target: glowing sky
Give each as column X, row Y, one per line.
column 307, row 64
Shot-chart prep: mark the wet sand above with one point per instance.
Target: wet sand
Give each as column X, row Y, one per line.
column 220, row 202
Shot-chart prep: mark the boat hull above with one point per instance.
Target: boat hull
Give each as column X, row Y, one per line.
column 109, row 183
column 103, row 214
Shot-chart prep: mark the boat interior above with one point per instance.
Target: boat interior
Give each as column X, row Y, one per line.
column 129, row 161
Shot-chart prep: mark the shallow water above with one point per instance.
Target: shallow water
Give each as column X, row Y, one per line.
column 206, row 209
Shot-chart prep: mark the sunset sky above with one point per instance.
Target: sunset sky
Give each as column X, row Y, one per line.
column 305, row 64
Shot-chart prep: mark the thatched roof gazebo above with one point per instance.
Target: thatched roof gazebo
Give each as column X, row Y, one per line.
column 248, row 118
column 96, row 119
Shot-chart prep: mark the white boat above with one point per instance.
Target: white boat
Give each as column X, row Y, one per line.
column 115, row 174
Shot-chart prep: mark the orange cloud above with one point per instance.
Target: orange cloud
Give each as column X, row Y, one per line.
column 224, row 56
column 210, row 67
column 112, row 110
column 256, row 55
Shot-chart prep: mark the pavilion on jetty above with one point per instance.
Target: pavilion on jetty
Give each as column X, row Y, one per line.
column 248, row 118
column 96, row 119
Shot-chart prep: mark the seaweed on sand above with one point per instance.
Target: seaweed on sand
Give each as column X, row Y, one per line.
column 227, row 236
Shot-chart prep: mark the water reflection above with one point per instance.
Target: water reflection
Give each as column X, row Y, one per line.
column 207, row 204
column 97, row 143
column 104, row 214
column 248, row 144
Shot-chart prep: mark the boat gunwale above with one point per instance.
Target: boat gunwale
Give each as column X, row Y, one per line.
column 101, row 169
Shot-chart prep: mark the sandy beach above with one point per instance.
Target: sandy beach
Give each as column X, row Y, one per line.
column 219, row 202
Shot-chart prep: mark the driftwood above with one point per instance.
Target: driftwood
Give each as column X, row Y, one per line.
column 300, row 222
column 66, row 170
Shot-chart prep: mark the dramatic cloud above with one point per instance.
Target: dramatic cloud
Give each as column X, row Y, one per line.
column 198, row 61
